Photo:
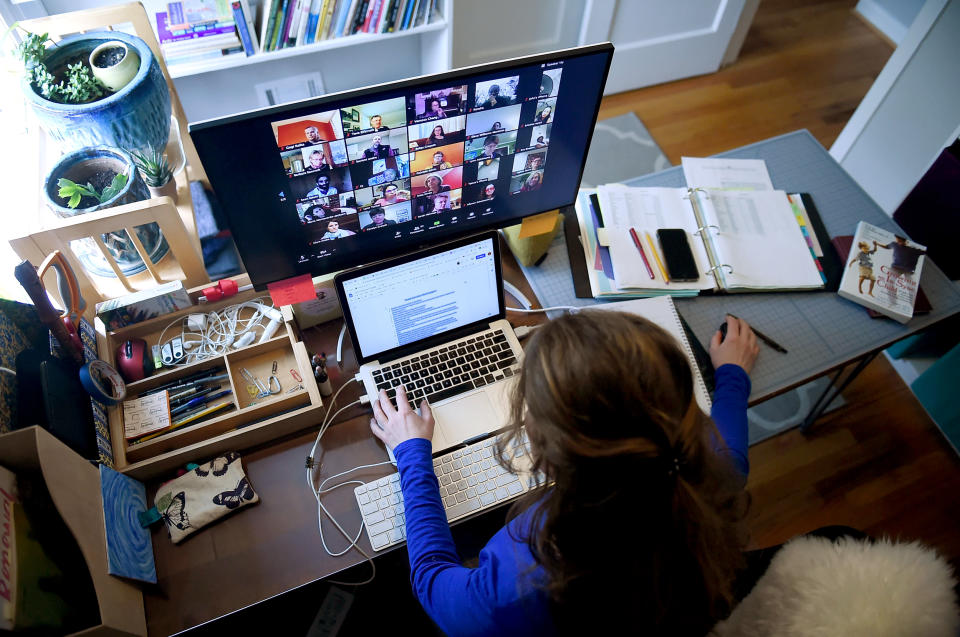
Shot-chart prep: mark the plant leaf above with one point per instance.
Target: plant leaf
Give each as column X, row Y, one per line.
column 111, row 191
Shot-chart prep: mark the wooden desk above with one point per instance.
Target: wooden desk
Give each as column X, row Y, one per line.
column 274, row 547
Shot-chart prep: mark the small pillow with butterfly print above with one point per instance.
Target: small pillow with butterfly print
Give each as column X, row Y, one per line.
column 205, row 494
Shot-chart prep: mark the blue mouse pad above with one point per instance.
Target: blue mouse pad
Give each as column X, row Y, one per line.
column 129, row 550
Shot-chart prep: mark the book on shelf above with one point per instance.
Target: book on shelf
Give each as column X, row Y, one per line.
column 245, row 29
column 882, row 272
column 741, row 240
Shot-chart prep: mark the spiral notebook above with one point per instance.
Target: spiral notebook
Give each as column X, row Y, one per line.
column 663, row 312
column 742, row 241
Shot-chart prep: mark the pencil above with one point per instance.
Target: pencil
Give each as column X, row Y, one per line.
column 188, row 420
column 643, row 255
column 656, row 257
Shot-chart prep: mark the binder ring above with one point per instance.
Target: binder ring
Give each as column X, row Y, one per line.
column 716, row 229
column 712, row 271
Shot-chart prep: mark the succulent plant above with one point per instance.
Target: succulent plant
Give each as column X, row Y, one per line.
column 153, row 166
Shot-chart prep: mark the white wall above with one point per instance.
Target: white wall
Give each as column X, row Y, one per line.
column 910, row 113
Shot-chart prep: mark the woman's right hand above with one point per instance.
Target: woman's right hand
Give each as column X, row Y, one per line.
column 738, row 348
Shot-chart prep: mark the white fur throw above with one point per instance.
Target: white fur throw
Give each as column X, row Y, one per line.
column 818, row 588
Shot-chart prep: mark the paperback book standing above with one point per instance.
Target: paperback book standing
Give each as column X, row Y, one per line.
column 883, row 272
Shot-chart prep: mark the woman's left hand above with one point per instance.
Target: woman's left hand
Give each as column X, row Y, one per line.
column 395, row 425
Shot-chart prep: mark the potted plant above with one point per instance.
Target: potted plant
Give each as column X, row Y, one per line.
column 114, row 64
column 156, row 172
column 95, row 178
column 77, row 109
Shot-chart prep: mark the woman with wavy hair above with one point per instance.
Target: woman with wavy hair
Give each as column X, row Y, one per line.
column 638, row 524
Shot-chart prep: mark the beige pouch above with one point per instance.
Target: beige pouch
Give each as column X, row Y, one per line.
column 205, row 494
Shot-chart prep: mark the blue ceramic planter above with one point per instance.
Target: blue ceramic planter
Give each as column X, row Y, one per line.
column 79, row 166
column 135, row 117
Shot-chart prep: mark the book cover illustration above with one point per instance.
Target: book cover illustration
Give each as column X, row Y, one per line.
column 883, row 272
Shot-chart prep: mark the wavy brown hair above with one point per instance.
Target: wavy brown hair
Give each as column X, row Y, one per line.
column 607, row 402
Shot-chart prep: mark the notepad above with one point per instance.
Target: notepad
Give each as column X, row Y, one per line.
column 146, row 414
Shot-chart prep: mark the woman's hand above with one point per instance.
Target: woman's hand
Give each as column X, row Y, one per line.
column 394, row 425
column 738, row 348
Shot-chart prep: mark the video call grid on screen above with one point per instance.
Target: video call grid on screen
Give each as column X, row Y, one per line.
column 445, row 158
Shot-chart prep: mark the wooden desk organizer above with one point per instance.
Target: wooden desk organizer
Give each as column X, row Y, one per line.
column 251, row 422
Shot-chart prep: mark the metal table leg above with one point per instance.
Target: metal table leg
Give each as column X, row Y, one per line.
column 820, row 406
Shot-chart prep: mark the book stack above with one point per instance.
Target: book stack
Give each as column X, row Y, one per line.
column 744, row 237
column 194, row 30
column 289, row 23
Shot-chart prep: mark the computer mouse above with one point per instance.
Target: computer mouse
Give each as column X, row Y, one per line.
column 723, row 332
column 133, row 360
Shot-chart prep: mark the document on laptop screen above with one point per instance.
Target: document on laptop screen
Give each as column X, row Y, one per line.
column 425, row 297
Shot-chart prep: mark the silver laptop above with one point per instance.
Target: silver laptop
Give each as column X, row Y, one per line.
column 435, row 322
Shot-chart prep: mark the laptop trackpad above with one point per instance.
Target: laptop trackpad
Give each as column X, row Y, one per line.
column 466, row 417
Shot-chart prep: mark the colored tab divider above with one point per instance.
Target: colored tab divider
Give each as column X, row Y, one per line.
column 295, row 290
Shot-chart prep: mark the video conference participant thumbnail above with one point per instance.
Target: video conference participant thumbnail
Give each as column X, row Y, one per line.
column 429, row 134
column 439, row 181
column 374, row 117
column 484, row 192
column 491, row 146
column 550, row 82
column 529, row 160
column 436, row 158
column 482, row 170
column 438, row 104
column 383, row 217
column 321, row 184
column 377, row 145
column 496, row 93
column 544, row 112
column 391, row 192
column 380, row 171
column 307, row 130
column 324, row 156
column 539, row 136
column 526, row 182
column 494, row 121
column 338, row 227
column 436, row 203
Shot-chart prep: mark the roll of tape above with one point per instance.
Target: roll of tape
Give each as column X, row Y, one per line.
column 103, row 382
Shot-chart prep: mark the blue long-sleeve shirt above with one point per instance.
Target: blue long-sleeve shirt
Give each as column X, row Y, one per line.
column 503, row 595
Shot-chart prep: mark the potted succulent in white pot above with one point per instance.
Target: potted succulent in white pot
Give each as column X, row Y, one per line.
column 156, row 172
column 114, row 64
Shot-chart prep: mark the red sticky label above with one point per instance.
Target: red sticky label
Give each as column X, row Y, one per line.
column 290, row 291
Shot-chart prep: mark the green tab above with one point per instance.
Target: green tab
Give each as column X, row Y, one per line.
column 149, row 517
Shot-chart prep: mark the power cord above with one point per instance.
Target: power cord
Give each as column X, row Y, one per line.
column 569, row 308
column 322, row 489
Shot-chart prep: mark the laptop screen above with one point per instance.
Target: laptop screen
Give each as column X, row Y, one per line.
column 415, row 299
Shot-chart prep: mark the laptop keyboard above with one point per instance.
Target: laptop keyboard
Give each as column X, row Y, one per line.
column 450, row 370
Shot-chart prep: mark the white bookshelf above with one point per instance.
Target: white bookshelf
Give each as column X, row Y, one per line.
column 438, row 28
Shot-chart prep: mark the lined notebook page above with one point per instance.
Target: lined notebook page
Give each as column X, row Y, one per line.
column 661, row 310
column 759, row 237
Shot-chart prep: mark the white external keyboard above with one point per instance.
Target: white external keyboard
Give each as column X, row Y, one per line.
column 470, row 479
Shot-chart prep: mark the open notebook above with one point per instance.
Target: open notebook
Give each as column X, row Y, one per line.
column 741, row 240
column 661, row 310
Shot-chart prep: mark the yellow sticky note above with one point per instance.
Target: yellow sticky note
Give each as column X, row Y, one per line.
column 538, row 224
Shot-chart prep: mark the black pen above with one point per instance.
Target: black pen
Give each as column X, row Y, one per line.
column 763, row 337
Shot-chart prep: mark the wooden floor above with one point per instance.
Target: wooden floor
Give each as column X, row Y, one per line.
column 879, row 463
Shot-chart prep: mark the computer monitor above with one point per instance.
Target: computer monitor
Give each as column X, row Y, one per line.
column 349, row 178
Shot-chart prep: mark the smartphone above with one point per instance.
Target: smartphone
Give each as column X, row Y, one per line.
column 681, row 266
